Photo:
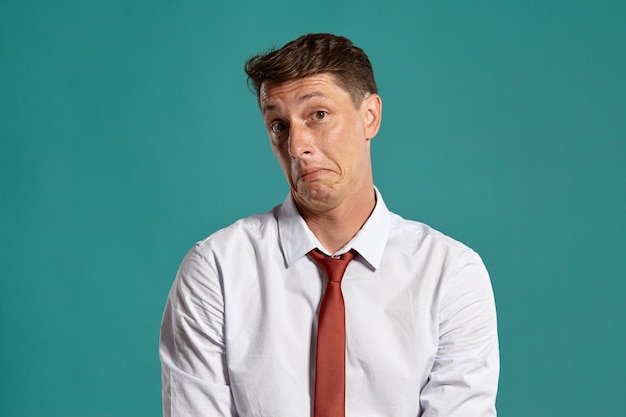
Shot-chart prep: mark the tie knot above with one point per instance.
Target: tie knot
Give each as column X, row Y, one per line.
column 334, row 268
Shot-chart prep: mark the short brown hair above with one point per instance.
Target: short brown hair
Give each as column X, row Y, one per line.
column 313, row 54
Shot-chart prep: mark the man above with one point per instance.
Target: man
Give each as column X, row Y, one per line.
column 259, row 322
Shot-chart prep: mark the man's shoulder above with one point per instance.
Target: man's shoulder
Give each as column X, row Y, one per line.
column 412, row 233
column 257, row 227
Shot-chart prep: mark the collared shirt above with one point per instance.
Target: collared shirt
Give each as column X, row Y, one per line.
column 239, row 329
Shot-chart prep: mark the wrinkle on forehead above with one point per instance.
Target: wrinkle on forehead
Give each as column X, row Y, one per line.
column 265, row 108
column 300, row 90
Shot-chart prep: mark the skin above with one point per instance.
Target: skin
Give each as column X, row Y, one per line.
column 322, row 141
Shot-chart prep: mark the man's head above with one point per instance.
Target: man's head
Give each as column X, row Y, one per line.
column 314, row 54
column 320, row 107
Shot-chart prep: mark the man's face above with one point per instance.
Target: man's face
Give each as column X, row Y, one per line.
column 321, row 139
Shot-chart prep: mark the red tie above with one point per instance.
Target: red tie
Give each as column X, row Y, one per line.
column 330, row 364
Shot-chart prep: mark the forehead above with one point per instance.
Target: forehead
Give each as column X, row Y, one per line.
column 301, row 89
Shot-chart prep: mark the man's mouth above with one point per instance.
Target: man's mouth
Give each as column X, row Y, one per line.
column 310, row 174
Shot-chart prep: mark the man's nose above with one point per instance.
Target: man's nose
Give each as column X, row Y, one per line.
column 300, row 141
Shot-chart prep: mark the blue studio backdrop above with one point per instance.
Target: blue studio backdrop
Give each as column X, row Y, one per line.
column 127, row 133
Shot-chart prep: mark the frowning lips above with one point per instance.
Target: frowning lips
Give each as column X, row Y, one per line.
column 310, row 173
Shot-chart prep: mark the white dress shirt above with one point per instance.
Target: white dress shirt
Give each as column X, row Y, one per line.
column 239, row 329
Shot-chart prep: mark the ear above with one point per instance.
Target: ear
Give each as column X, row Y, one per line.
column 372, row 108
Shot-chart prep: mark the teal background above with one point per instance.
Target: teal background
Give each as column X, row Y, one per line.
column 128, row 133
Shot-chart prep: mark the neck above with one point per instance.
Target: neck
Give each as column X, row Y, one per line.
column 336, row 227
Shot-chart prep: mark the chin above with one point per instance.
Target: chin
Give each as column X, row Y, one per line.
column 317, row 197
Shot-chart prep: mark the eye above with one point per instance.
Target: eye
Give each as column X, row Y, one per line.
column 319, row 115
column 278, row 127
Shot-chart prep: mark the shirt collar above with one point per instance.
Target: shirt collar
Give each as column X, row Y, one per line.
column 297, row 240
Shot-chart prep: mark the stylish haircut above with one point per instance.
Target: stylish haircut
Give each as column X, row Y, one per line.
column 314, row 54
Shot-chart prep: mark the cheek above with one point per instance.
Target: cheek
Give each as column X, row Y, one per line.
column 279, row 152
column 347, row 145
column 283, row 160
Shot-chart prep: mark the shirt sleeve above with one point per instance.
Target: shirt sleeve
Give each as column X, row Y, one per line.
column 192, row 350
column 464, row 377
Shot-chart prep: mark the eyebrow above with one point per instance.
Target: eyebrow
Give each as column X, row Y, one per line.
column 272, row 107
